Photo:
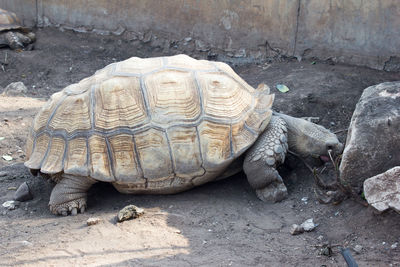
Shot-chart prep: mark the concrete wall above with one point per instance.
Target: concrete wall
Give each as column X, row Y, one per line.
column 363, row 32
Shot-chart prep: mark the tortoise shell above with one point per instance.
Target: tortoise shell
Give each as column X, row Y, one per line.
column 155, row 125
column 9, row 21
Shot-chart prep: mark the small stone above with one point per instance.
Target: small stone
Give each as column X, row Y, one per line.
column 304, row 199
column 188, row 39
column 120, row 30
column 147, row 37
column 357, row 249
column 212, row 56
column 7, row 157
column 296, row 229
column 394, row 245
column 201, row 46
column 11, row 204
column 93, row 221
column 326, row 251
column 15, row 89
column 23, row 193
column 129, row 212
column 308, row 225
column 178, row 231
column 12, row 188
column 240, row 53
column 26, row 243
column 320, row 238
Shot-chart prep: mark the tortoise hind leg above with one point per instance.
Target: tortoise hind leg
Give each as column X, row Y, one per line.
column 262, row 159
column 69, row 194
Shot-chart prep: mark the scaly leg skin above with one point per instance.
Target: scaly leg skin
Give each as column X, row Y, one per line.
column 262, row 159
column 69, row 194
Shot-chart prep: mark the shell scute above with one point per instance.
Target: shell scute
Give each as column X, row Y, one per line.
column 76, row 162
column 100, row 168
column 173, row 97
column 126, row 166
column 224, row 98
column 215, row 144
column 53, row 162
column 119, row 103
column 185, row 147
column 73, row 114
column 154, row 155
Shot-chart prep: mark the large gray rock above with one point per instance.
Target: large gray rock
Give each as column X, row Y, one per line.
column 373, row 140
column 383, row 190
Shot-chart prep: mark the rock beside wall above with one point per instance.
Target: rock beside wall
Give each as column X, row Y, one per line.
column 373, row 140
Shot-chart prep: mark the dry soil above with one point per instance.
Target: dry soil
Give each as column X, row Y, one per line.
column 218, row 224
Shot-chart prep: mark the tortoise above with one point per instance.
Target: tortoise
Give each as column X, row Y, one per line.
column 12, row 33
column 164, row 125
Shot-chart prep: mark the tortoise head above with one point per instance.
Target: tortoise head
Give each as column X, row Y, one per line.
column 309, row 139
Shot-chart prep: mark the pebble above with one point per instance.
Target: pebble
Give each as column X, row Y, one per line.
column 296, row 229
column 15, row 89
column 394, row 245
column 7, row 157
column 306, row 226
column 3, row 173
column 26, row 243
column 129, row 212
column 358, row 249
column 11, row 204
column 93, row 221
column 23, row 193
column 326, row 251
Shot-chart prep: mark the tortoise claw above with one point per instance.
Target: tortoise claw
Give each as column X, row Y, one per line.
column 74, row 212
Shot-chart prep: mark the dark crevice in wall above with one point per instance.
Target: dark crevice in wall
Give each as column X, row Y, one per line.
column 297, row 26
column 37, row 14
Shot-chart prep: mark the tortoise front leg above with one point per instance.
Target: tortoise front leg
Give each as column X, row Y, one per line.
column 69, row 194
column 262, row 159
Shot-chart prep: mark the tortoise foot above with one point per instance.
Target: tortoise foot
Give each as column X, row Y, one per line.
column 69, row 195
column 69, row 208
column 329, row 196
column 274, row 192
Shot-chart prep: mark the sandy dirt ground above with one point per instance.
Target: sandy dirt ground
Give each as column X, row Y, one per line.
column 218, row 224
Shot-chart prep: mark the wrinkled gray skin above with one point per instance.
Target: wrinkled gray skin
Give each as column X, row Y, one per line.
column 284, row 133
column 16, row 39
column 260, row 162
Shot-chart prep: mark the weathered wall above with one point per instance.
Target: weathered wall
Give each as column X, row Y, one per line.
column 363, row 32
